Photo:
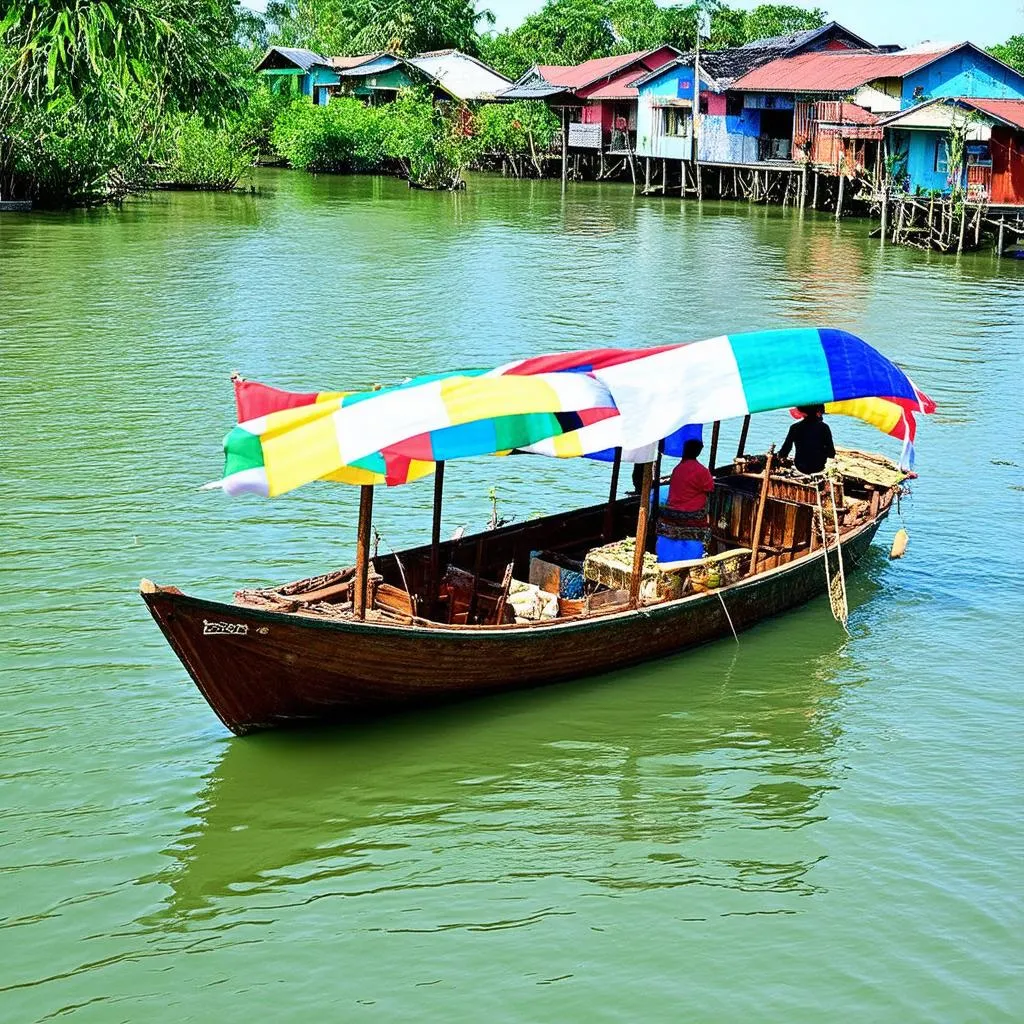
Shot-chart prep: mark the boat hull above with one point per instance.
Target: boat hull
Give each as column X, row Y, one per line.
column 262, row 669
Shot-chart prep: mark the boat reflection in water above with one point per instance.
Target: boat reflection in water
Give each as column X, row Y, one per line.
column 647, row 779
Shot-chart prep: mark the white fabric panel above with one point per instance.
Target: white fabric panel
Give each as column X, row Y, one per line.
column 656, row 395
column 577, row 391
column 385, row 419
column 246, row 481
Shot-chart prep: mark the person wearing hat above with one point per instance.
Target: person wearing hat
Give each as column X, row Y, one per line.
column 812, row 440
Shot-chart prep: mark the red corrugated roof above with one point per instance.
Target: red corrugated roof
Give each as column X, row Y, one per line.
column 833, row 70
column 619, row 88
column 1011, row 111
column 578, row 76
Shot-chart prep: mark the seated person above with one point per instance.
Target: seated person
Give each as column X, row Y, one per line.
column 683, row 528
column 813, row 441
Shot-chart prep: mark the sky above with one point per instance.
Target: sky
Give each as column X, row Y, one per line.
column 906, row 22
column 881, row 21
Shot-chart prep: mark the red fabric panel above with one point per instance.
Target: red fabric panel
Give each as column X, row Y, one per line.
column 253, row 400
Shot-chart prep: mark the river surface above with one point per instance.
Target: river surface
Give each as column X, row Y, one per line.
column 800, row 827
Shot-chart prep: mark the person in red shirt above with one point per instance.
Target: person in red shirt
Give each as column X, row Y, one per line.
column 683, row 528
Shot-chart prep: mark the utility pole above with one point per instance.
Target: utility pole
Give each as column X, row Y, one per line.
column 701, row 15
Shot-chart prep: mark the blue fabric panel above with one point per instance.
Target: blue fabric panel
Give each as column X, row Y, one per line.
column 782, row 368
column 858, row 371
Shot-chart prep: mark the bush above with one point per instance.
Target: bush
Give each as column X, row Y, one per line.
column 434, row 142
column 198, row 156
column 343, row 135
column 509, row 129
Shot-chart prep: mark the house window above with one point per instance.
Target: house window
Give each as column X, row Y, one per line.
column 676, row 121
column 941, row 156
column 734, row 104
column 703, row 102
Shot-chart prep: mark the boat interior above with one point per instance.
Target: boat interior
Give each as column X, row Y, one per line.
column 580, row 562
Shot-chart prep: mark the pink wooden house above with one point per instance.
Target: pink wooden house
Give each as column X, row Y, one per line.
column 597, row 97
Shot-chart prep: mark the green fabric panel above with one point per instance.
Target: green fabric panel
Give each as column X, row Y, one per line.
column 242, row 450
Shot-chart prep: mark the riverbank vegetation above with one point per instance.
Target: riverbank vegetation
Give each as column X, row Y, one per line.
column 99, row 98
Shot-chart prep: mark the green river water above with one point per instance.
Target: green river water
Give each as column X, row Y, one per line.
column 800, row 827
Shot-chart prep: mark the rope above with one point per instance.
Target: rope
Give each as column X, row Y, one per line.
column 844, row 612
column 836, row 599
column 728, row 616
column 378, row 539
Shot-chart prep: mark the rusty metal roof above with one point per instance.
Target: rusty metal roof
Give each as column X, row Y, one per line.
column 836, row 70
column 1010, row 111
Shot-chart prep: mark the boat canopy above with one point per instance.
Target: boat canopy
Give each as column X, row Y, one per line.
column 564, row 405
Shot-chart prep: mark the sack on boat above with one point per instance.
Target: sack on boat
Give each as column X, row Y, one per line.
column 531, row 604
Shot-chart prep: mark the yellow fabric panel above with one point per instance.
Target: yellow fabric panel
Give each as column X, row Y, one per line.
column 884, row 415
column 568, row 445
column 354, row 475
column 296, row 455
column 477, row 398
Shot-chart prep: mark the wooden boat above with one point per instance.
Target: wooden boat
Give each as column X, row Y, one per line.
column 435, row 623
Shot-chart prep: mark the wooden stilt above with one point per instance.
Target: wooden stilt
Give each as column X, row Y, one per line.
column 743, row 435
column 664, row 176
column 613, row 491
column 762, row 500
column 642, row 517
column 839, row 200
column 363, row 550
column 885, row 209
column 803, row 187
column 565, row 145
column 715, row 428
column 647, row 174
column 1002, row 233
column 814, row 193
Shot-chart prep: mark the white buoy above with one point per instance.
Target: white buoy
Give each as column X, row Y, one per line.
column 899, row 543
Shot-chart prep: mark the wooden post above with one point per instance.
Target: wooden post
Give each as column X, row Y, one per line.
column 363, row 550
column 803, row 187
column 814, row 193
column 716, row 427
column 885, row 209
column 642, row 517
column 613, row 491
column 565, row 144
column 656, row 495
column 664, row 175
column 1002, row 232
column 839, row 200
column 695, row 121
column 435, row 531
column 762, row 501
column 647, row 174
column 743, row 435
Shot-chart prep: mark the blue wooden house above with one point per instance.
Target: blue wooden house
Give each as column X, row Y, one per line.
column 300, row 72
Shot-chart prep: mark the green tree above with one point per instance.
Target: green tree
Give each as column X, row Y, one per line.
column 768, row 20
column 1011, row 52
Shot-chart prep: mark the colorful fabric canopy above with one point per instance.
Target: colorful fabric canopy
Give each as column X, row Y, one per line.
column 566, row 405
column 389, row 431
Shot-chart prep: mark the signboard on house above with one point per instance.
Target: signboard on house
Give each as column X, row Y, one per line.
column 585, row 136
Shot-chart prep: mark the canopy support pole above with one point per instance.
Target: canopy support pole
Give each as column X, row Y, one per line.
column 761, row 502
column 642, row 517
column 363, row 550
column 435, row 530
column 716, row 427
column 743, row 435
column 656, row 490
column 613, row 491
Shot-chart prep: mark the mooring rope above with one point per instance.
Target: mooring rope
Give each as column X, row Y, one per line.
column 836, row 601
column 727, row 616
